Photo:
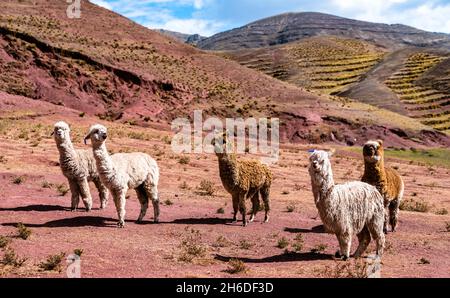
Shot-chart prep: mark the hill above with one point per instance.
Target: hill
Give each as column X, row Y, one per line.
column 291, row 27
column 126, row 72
column 192, row 39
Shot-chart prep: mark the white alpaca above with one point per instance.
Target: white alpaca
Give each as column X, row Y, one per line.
column 123, row 171
column 78, row 166
column 347, row 209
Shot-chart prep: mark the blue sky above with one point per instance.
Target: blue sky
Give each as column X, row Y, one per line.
column 208, row 17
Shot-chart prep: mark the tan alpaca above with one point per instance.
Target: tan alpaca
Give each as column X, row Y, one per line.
column 243, row 179
column 387, row 180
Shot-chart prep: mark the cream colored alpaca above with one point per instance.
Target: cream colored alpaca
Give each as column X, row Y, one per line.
column 78, row 166
column 123, row 171
column 347, row 209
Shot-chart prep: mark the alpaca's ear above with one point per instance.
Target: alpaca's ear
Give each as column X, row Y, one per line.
column 87, row 137
column 310, row 152
column 331, row 152
column 380, row 142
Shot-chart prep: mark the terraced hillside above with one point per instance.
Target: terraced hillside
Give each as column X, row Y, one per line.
column 325, row 64
column 429, row 105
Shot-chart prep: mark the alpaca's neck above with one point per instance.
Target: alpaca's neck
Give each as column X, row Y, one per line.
column 105, row 165
column 228, row 168
column 323, row 185
column 67, row 153
column 373, row 171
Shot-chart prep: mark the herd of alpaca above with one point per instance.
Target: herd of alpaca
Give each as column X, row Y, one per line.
column 364, row 208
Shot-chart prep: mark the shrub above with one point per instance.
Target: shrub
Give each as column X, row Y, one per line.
column 221, row 241
column 46, row 184
column 11, row 258
column 351, row 269
column 298, row 243
column 206, row 188
column 424, row 261
column 62, row 189
column 282, row 243
column 18, row 180
column 184, row 160
column 23, row 231
column 184, row 186
column 319, row 248
column 236, row 266
column 244, row 244
column 220, row 210
column 168, row 202
column 442, row 211
column 290, row 208
column 415, row 206
column 191, row 246
column 447, row 226
column 53, row 262
column 78, row 251
column 4, row 241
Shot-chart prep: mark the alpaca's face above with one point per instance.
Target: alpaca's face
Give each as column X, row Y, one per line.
column 61, row 132
column 221, row 143
column 97, row 134
column 319, row 162
column 373, row 151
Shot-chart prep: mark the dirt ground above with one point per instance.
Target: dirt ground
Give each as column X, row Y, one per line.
column 420, row 248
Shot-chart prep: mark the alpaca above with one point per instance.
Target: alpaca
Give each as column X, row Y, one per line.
column 387, row 181
column 345, row 209
column 78, row 166
column 243, row 179
column 123, row 171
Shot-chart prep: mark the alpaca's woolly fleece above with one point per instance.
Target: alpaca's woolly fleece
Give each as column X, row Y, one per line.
column 347, row 209
column 385, row 179
column 79, row 167
column 123, row 171
column 243, row 179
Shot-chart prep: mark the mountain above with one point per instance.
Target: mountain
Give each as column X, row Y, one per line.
column 290, row 27
column 192, row 39
column 127, row 73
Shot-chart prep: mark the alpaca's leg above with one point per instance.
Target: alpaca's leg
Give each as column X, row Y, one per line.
column 378, row 235
column 85, row 194
column 364, row 240
column 120, row 201
column 152, row 192
column 345, row 241
column 255, row 206
column 265, row 193
column 386, row 220
column 103, row 193
column 143, row 199
column 243, row 208
column 235, row 198
column 393, row 213
column 75, row 191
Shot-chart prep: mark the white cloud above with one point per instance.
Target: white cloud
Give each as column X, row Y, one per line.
column 102, row 3
column 189, row 26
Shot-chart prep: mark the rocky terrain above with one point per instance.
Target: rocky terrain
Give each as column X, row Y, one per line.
column 291, row 27
column 192, row 39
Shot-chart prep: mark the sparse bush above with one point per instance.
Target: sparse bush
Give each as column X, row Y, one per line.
column 415, row 206
column 220, row 210
column 46, row 184
column 282, row 243
column 23, row 231
column 244, row 244
column 290, row 208
column 285, row 192
column 184, row 186
column 236, row 266
column 191, row 246
column 53, row 262
column 206, row 188
column 82, row 114
column 298, row 242
column 320, row 248
column 3, row 159
column 447, row 226
column 168, row 202
column 221, row 241
column 442, row 211
column 62, row 189
column 18, row 180
column 357, row 268
column 184, row 160
column 4, row 241
column 12, row 259
column 424, row 261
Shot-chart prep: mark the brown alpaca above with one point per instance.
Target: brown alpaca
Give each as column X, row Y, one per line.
column 243, row 179
column 387, row 180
